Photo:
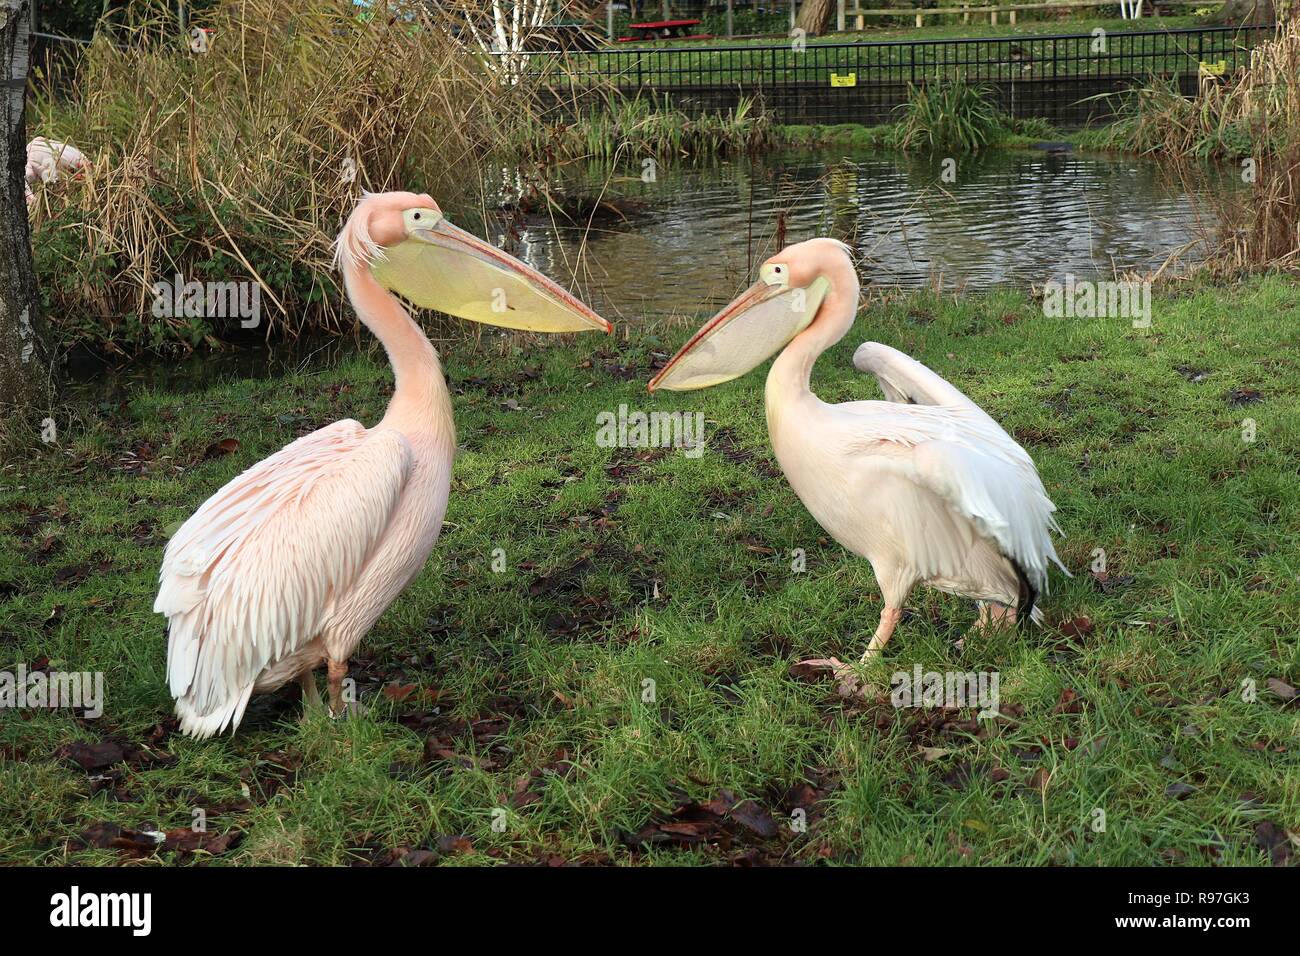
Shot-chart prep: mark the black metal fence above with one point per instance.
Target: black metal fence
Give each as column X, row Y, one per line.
column 1058, row 78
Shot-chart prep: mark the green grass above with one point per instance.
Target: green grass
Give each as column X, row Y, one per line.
column 951, row 28
column 751, row 61
column 681, row 575
column 635, row 127
column 1007, row 134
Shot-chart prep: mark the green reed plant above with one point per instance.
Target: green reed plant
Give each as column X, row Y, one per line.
column 643, row 126
column 949, row 113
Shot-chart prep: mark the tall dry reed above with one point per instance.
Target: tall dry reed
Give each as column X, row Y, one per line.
column 240, row 163
column 1251, row 118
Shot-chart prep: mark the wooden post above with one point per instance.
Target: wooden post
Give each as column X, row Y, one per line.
column 965, row 13
column 839, row 15
column 609, row 21
column 665, row 5
column 1013, row 18
column 793, row 13
column 993, row 18
column 918, row 20
column 731, row 22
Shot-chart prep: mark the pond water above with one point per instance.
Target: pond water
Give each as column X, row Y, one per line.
column 687, row 241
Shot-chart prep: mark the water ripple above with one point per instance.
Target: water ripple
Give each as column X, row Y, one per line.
column 1011, row 218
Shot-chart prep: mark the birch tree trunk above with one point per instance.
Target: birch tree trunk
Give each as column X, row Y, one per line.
column 504, row 30
column 25, row 378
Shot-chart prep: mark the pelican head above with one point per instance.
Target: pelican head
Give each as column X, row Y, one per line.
column 412, row 250
column 763, row 319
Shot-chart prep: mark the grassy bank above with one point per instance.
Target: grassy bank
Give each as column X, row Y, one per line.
column 664, row 65
column 628, row 130
column 523, row 693
column 950, row 27
column 949, row 116
column 1018, row 134
column 751, row 29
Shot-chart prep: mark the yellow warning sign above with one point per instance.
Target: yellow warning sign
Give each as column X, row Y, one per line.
column 848, row 79
column 1214, row 69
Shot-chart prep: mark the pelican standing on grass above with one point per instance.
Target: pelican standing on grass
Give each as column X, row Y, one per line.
column 925, row 486
column 290, row 564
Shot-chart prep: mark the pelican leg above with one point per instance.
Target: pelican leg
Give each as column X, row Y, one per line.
column 848, row 682
column 337, row 671
column 993, row 615
column 311, row 699
column 889, row 618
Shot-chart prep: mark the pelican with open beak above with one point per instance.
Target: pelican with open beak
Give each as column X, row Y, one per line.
column 288, row 566
column 440, row 266
column 925, row 485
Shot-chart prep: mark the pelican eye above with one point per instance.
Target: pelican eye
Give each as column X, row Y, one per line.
column 775, row 274
column 421, row 218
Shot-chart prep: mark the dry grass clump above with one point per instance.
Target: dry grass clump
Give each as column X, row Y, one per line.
column 1265, row 232
column 241, row 162
column 1253, row 119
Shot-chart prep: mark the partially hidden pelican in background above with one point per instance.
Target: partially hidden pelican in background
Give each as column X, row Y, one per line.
column 46, row 160
column 289, row 565
column 925, row 486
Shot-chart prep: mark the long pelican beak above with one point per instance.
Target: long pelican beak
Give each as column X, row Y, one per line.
column 446, row 268
column 749, row 331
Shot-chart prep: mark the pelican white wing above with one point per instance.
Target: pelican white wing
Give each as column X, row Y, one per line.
column 904, row 379
column 956, row 452
column 253, row 574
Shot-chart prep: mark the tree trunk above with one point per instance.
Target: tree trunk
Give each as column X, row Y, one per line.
column 815, row 16
column 1248, row 12
column 25, row 387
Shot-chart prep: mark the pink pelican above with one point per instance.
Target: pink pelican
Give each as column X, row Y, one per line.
column 925, row 486
column 289, row 565
column 47, row 159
